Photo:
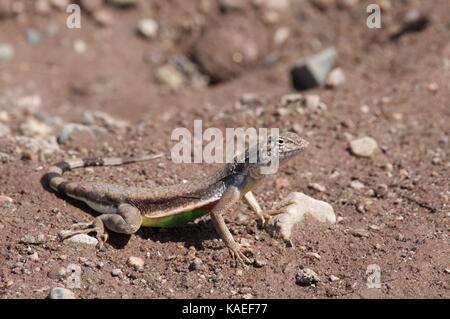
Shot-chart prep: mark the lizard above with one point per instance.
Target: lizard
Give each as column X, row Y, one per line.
column 125, row 209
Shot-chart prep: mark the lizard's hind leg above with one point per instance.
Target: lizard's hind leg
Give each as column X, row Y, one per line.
column 127, row 220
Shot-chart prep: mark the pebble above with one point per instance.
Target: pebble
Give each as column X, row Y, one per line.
column 299, row 205
column 61, row 293
column 259, row 263
column 306, row 277
column 355, row 184
column 5, row 201
column 334, row 278
column 169, row 76
column 33, row 36
column 6, row 51
column 317, row 187
column 196, row 265
column 335, row 78
column 313, row 255
column 34, row 127
column 116, row 272
column 103, row 119
column 83, row 239
column 136, row 262
column 71, row 128
column 80, row 46
column 46, row 146
column 360, row 232
column 281, row 35
column 313, row 71
column 33, row 239
column 364, row 146
column 312, row 102
column 148, row 28
column 57, row 273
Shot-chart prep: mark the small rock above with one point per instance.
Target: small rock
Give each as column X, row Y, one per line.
column 103, row 119
column 29, row 104
column 33, row 239
column 80, row 46
column 317, row 187
column 259, row 263
column 313, row 255
column 61, row 293
column 46, row 146
column 335, row 78
column 281, row 35
column 116, row 272
column 414, row 21
column 169, row 76
column 312, row 102
column 313, row 70
column 306, row 277
column 298, row 206
column 334, row 278
column 83, row 239
column 356, row 185
column 34, row 127
column 57, row 273
column 6, row 52
column 148, row 28
column 33, row 36
column 360, row 232
column 71, row 128
column 34, row 256
column 196, row 265
column 6, row 201
column 364, row 146
column 136, row 262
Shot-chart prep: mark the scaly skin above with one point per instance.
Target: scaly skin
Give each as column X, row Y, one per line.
column 125, row 209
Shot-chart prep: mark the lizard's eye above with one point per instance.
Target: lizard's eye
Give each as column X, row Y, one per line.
column 280, row 141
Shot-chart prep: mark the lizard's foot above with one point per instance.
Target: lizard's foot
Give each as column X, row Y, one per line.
column 237, row 253
column 95, row 226
column 267, row 215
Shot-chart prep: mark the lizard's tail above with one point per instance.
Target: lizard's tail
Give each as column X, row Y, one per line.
column 54, row 176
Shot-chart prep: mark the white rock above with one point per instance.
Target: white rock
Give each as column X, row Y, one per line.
column 61, row 293
column 148, row 28
column 34, row 127
column 103, row 119
column 335, row 78
column 364, row 146
column 83, row 239
column 298, row 206
column 306, row 277
column 281, row 35
column 169, row 75
column 47, row 145
column 136, row 262
column 6, row 52
column 80, row 46
column 356, row 185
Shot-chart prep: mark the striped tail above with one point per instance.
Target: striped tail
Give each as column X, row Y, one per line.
column 54, row 176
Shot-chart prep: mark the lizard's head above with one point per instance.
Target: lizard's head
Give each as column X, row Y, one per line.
column 288, row 145
column 265, row 158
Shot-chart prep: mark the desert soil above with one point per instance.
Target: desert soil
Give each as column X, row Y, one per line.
column 396, row 92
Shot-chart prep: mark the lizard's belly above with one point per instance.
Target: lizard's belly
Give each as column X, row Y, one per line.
column 175, row 219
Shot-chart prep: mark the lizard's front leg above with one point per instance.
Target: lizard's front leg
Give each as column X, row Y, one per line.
column 225, row 204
